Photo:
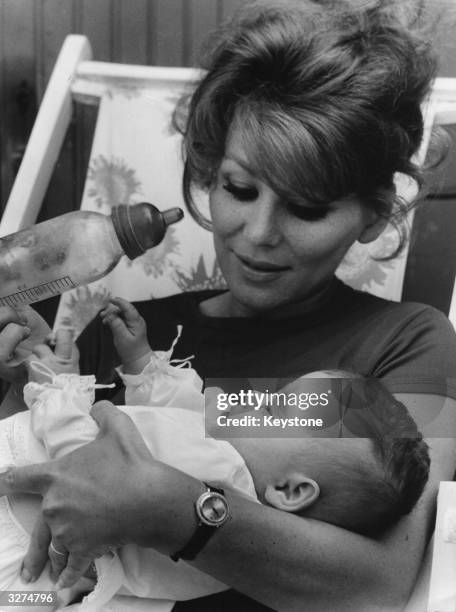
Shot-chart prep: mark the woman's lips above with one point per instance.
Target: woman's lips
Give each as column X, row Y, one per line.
column 259, row 269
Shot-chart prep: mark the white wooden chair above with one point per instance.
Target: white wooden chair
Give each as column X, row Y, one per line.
column 185, row 259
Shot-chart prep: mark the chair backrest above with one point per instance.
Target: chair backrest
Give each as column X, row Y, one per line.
column 136, row 156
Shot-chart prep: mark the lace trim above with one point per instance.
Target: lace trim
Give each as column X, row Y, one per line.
column 60, row 381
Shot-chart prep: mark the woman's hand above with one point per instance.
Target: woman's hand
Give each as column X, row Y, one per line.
column 20, row 330
column 95, row 498
column 62, row 359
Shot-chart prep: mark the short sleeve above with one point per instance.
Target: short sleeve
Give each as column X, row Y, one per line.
column 420, row 356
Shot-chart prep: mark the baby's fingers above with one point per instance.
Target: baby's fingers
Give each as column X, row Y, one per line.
column 110, row 312
column 115, row 323
column 129, row 312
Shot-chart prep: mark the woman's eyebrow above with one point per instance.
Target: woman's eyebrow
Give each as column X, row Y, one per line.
column 243, row 163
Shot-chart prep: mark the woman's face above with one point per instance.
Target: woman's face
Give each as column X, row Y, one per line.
column 274, row 253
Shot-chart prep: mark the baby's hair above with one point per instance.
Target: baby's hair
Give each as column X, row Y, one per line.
column 368, row 495
column 328, row 95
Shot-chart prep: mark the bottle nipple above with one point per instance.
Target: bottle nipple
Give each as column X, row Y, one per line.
column 173, row 215
column 142, row 226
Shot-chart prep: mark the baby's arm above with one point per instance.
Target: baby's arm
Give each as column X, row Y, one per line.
column 149, row 377
column 59, row 355
column 129, row 334
column 58, row 398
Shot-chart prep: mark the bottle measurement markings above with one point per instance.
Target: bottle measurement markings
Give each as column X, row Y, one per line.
column 34, row 294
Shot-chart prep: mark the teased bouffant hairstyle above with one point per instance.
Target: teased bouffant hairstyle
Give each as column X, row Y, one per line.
column 368, row 496
column 327, row 94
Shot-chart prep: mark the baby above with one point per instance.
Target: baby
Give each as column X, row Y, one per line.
column 361, row 484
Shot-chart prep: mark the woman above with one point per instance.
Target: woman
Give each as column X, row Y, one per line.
column 307, row 111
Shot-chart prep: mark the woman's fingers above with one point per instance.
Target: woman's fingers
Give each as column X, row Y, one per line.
column 25, row 479
column 76, row 566
column 12, row 335
column 35, row 321
column 37, row 553
column 58, row 558
column 83, row 520
column 11, row 315
column 20, row 330
column 66, row 569
column 112, row 420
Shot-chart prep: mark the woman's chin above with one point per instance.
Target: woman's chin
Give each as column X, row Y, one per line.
column 254, row 302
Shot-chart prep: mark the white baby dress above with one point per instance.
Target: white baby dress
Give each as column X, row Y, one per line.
column 167, row 406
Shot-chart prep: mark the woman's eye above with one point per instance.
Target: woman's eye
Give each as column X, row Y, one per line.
column 308, row 213
column 243, row 194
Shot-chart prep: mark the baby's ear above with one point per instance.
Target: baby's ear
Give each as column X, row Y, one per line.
column 296, row 493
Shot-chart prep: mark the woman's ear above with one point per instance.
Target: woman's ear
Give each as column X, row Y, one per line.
column 296, row 493
column 376, row 223
column 373, row 230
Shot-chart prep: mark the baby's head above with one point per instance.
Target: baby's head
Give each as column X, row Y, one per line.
column 363, row 481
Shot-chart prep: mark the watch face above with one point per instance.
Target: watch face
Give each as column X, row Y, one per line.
column 213, row 509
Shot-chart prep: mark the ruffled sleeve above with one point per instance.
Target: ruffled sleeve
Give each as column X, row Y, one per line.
column 165, row 382
column 60, row 412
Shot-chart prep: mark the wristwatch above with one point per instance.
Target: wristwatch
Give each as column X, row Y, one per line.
column 212, row 512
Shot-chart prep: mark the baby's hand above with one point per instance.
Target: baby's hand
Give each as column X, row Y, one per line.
column 129, row 334
column 63, row 358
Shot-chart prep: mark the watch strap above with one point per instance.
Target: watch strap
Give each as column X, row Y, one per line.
column 196, row 543
column 200, row 538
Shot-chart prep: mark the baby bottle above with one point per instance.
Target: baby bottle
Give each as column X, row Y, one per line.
column 75, row 249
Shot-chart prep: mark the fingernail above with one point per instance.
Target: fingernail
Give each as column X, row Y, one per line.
column 26, row 332
column 26, row 576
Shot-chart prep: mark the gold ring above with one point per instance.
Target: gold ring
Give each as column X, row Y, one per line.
column 57, row 552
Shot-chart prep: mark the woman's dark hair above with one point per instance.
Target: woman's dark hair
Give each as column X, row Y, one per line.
column 328, row 95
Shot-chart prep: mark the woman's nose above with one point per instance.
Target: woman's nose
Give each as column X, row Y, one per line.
column 261, row 227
